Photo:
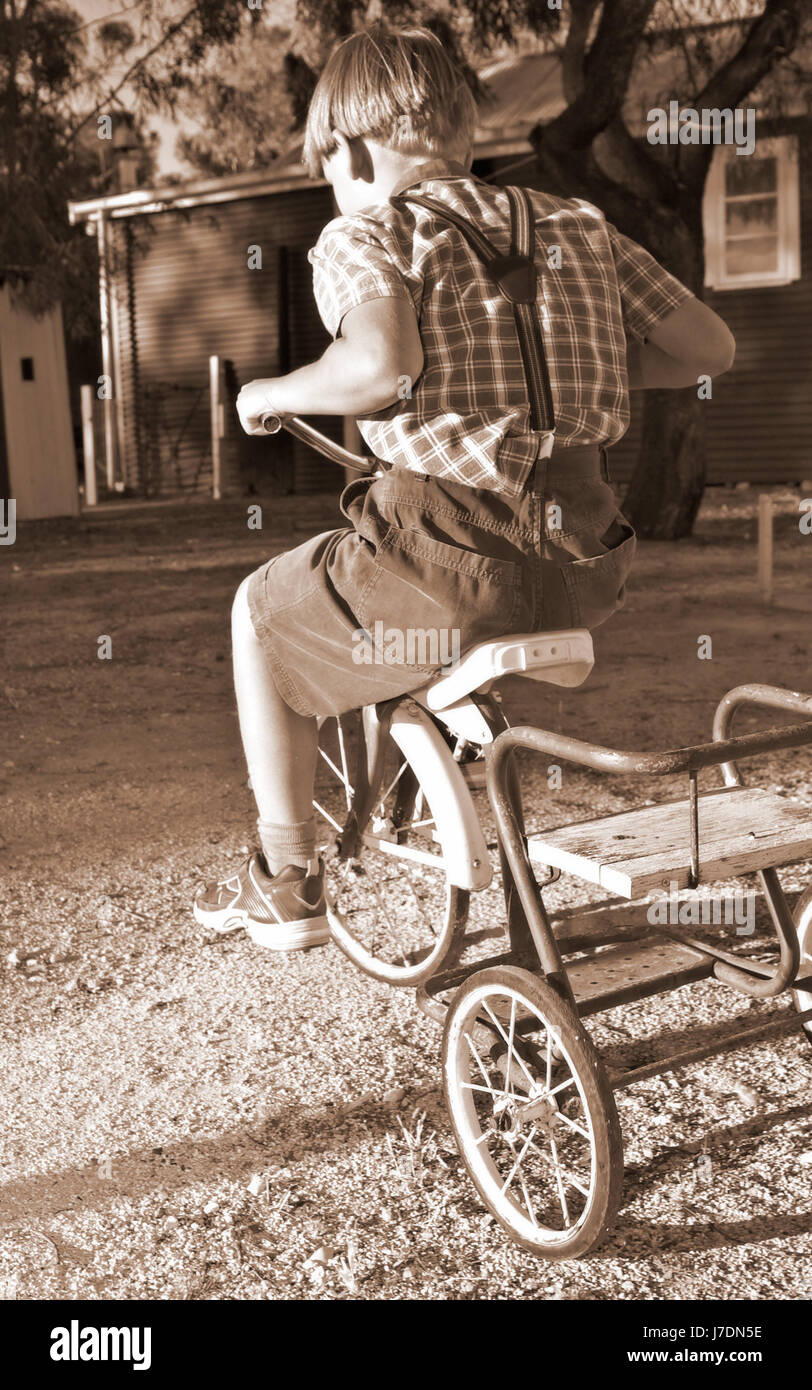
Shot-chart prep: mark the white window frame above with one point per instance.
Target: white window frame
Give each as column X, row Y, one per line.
column 785, row 148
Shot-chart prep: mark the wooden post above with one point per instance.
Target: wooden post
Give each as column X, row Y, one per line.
column 118, row 387
column 107, row 351
column 765, row 547
column 88, row 446
column 217, row 428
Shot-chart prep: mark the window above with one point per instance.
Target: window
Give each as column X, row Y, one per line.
column 27, row 368
column 751, row 216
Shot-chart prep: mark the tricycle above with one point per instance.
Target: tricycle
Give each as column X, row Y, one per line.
column 530, row 1099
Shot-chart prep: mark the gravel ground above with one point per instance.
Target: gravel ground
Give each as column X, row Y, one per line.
column 192, row 1118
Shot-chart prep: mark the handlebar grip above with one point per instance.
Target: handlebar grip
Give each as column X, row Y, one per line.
column 271, row 423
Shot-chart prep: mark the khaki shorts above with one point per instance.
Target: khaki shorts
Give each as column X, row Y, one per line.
column 427, row 556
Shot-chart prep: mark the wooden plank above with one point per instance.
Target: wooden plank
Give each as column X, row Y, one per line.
column 39, row 437
column 600, row 924
column 741, row 829
column 626, row 973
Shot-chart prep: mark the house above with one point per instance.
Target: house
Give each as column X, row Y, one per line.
column 219, row 267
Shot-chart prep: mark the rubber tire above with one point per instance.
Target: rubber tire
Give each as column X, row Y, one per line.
column 456, row 916
column 802, row 917
column 600, row 1098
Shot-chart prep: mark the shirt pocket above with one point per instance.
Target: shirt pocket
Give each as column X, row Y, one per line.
column 596, row 586
column 439, row 598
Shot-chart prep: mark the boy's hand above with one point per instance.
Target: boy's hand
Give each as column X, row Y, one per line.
column 254, row 401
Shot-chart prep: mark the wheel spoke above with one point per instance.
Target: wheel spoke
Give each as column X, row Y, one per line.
column 327, row 816
column 393, row 784
column 479, row 1063
column 562, row 1086
column 561, row 1193
column 519, row 1059
column 389, row 922
column 573, row 1182
column 339, row 775
column 346, row 778
column 487, row 1090
column 584, row 1133
column 530, row 1208
column 509, row 1178
column 420, row 907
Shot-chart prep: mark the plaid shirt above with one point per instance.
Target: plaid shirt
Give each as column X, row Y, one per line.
column 468, row 416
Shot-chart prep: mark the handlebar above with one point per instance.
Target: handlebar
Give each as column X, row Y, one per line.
column 336, row 453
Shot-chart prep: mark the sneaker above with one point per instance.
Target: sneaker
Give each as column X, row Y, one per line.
column 283, row 912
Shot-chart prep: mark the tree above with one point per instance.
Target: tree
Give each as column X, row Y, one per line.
column 41, row 57
column 59, row 109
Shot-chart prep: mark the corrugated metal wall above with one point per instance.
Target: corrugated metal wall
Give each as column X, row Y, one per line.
column 194, row 295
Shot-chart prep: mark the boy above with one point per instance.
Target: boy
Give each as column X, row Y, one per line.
column 495, row 514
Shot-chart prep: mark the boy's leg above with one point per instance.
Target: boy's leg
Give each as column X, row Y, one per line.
column 279, row 900
column 280, row 749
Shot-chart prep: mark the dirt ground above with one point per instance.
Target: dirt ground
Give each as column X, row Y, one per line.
column 194, row 1118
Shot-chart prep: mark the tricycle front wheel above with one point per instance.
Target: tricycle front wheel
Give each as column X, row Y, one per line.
column 533, row 1114
column 391, row 906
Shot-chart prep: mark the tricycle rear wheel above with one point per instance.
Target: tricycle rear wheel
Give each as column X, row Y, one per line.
column 802, row 915
column 533, row 1113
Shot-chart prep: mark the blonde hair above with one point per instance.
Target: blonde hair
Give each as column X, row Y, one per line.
column 396, row 86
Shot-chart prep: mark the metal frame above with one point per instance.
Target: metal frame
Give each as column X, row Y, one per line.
column 532, row 941
column 750, row 977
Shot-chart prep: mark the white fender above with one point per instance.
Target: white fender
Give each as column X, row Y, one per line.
column 466, row 855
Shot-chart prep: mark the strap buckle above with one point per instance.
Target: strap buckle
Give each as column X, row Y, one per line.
column 514, row 276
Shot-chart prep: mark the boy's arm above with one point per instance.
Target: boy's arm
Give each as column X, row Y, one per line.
column 369, row 311
column 375, row 362
column 690, row 342
column 672, row 337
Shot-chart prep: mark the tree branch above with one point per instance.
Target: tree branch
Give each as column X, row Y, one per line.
column 573, row 55
column 606, row 72
column 772, row 35
column 110, row 97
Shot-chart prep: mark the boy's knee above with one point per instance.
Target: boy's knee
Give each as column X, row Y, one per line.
column 241, row 624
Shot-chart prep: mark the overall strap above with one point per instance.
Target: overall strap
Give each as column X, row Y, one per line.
column 515, row 277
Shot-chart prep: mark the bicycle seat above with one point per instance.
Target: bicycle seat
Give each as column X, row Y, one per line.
column 563, row 658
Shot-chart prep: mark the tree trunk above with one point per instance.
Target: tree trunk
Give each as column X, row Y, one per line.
column 667, row 484
column 666, row 487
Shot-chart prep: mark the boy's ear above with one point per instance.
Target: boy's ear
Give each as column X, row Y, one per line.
column 358, row 160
